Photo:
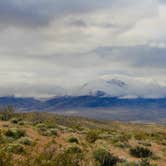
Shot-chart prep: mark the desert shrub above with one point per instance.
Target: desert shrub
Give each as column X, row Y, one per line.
column 122, row 145
column 14, row 120
column 15, row 148
column 48, row 132
column 44, row 130
column 2, row 139
column 127, row 163
column 70, row 157
column 21, row 123
column 53, row 132
column 73, row 140
column 46, row 158
column 45, row 133
column 73, row 149
column 5, row 158
column 25, row 141
column 15, row 133
column 140, row 152
column 144, row 143
column 145, row 162
column 120, row 138
column 92, row 136
column 41, row 126
column 76, row 127
column 50, row 124
column 141, row 135
column 105, row 158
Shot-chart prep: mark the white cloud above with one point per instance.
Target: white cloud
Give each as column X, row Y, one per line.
column 69, row 42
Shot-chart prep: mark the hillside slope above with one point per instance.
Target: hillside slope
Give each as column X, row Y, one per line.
column 43, row 139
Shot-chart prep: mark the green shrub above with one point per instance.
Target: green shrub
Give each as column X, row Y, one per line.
column 92, row 136
column 50, row 124
column 48, row 132
column 21, row 123
column 127, row 163
column 15, row 148
column 73, row 140
column 140, row 152
column 73, row 149
column 122, row 145
column 15, row 133
column 145, row 162
column 41, row 126
column 2, row 139
column 42, row 129
column 25, row 141
column 46, row 158
column 45, row 131
column 70, row 157
column 5, row 158
column 141, row 135
column 15, row 120
column 105, row 158
column 121, row 140
column 53, row 132
column 144, row 143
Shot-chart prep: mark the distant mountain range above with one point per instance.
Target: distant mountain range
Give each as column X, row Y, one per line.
column 98, row 107
column 111, row 99
column 82, row 102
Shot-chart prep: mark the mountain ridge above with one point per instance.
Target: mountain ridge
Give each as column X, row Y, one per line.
column 85, row 101
column 96, row 107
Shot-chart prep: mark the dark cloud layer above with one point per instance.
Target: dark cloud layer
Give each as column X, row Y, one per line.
column 41, row 12
column 48, row 44
column 138, row 56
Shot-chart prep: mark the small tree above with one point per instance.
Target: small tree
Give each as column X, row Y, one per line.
column 7, row 113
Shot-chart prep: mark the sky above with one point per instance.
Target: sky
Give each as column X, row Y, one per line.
column 48, row 47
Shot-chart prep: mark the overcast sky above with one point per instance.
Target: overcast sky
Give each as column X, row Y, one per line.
column 48, row 45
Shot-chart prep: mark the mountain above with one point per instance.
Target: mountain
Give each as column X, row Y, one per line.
column 98, row 107
column 121, row 89
column 111, row 87
column 79, row 102
column 20, row 103
column 103, row 99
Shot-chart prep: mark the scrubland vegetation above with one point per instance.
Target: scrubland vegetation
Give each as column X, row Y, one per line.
column 43, row 139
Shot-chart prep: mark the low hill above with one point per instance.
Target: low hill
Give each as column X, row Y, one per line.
column 44, row 139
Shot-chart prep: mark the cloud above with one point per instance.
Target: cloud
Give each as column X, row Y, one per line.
column 135, row 56
column 67, row 43
column 41, row 13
